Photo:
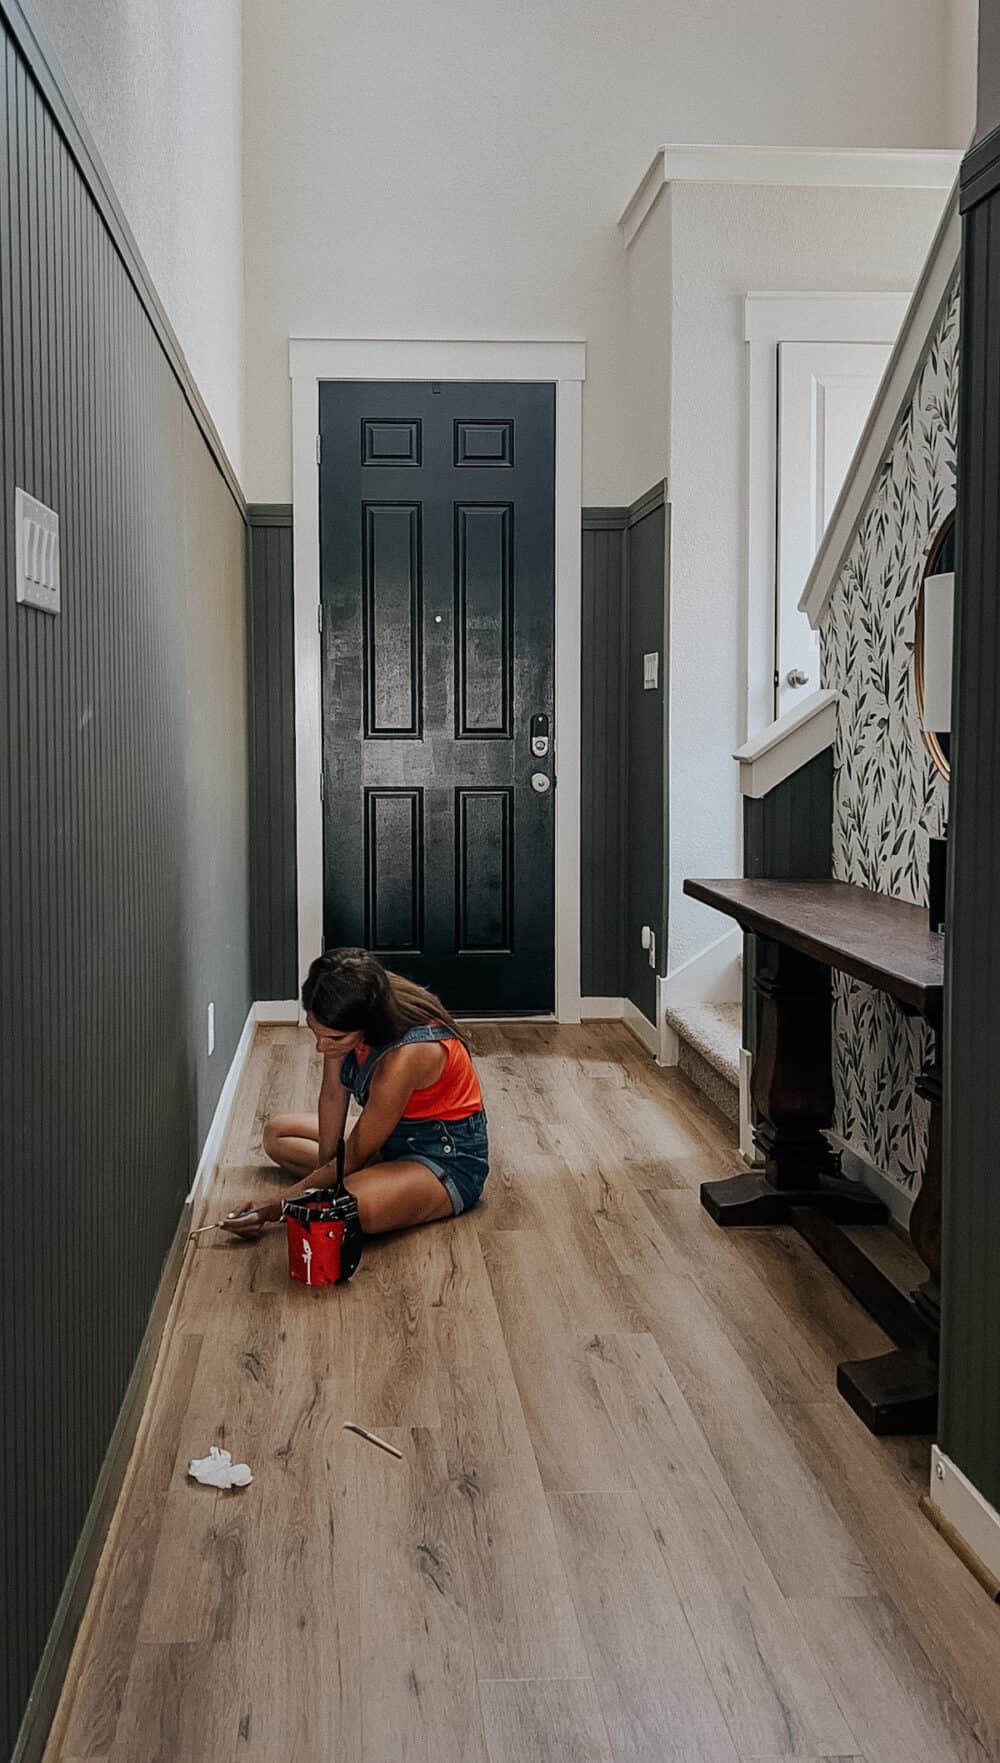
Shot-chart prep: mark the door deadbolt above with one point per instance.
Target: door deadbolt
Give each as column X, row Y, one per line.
column 539, row 736
column 541, row 783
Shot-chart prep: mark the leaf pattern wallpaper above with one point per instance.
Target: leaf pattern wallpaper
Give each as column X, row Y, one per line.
column 888, row 798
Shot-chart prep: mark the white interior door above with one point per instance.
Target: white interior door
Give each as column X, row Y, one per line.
column 825, row 391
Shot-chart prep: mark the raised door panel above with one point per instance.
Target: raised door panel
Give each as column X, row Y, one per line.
column 484, row 696
column 391, row 605
column 394, row 870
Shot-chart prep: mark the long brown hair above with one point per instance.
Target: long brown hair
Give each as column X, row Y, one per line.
column 349, row 990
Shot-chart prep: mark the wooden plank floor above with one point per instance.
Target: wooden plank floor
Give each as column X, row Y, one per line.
column 633, row 1523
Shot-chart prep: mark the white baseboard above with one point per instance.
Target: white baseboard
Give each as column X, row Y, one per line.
column 976, row 1521
column 858, row 1168
column 640, row 1026
column 711, row 977
column 670, row 1043
column 276, row 1010
column 220, row 1119
column 602, row 1009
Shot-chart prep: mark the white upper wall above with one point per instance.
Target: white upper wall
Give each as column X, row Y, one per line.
column 159, row 84
column 726, row 240
column 457, row 167
column 962, row 68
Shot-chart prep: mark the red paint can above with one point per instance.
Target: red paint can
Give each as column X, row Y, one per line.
column 321, row 1250
column 324, row 1233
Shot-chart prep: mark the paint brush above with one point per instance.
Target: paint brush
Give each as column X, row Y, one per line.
column 373, row 1439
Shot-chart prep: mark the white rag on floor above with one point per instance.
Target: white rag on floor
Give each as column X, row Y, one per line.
column 218, row 1470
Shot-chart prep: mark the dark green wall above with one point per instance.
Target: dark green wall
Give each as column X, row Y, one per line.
column 644, row 772
column 273, row 909
column 970, row 1339
column 123, row 846
column 787, row 836
column 624, row 802
column 604, row 741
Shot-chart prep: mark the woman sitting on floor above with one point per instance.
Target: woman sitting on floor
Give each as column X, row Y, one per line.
column 419, row 1151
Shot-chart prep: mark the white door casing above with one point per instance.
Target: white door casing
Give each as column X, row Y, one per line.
column 562, row 364
column 771, row 319
column 825, row 391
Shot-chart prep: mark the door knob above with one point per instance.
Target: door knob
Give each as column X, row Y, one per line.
column 796, row 677
column 541, row 783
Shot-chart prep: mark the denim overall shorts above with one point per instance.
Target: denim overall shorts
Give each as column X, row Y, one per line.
column 456, row 1151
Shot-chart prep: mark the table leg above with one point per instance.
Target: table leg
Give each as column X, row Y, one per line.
column 792, row 1089
column 897, row 1392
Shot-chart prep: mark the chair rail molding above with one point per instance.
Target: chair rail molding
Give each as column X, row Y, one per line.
column 562, row 363
column 861, row 168
column 787, row 744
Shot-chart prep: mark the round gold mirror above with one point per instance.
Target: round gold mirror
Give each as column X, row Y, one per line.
column 940, row 562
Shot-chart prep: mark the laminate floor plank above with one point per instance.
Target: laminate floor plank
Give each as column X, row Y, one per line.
column 102, row 1658
column 631, row 1524
column 543, row 1720
column 784, row 1364
column 816, row 1307
column 944, row 1608
column 299, row 1675
column 419, row 1685
column 521, row 1614
column 402, row 1371
column 770, row 1685
column 887, row 1682
column 171, row 1709
column 807, row 1546
column 573, row 1439
column 652, row 1679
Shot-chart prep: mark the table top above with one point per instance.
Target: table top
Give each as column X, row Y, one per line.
column 886, row 943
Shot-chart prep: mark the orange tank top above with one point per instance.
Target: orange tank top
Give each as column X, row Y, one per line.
column 456, row 1093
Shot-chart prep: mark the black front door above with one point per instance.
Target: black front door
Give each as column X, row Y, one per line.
column 437, row 565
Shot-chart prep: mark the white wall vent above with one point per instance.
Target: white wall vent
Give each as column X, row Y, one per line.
column 36, row 531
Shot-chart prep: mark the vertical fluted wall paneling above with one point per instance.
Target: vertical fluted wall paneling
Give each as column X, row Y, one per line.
column 787, row 836
column 604, row 707
column 273, row 908
column 124, row 904
column 970, row 1344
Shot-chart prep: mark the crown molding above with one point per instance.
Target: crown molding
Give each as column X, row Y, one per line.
column 859, row 168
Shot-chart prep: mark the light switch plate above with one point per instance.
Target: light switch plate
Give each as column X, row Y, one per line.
column 36, row 530
column 651, row 671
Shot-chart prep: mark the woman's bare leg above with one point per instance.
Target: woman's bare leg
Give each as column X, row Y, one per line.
column 292, row 1141
column 393, row 1196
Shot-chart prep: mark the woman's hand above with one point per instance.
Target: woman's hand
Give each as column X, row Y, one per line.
column 249, row 1220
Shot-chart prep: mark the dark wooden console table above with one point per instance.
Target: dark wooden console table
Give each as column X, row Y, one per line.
column 807, row 928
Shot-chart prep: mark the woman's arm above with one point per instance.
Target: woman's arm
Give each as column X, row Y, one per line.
column 393, row 1083
column 333, row 1103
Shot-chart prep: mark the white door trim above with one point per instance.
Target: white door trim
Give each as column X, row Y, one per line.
column 773, row 318
column 312, row 360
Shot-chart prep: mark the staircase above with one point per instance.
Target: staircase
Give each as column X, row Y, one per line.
column 709, row 1051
